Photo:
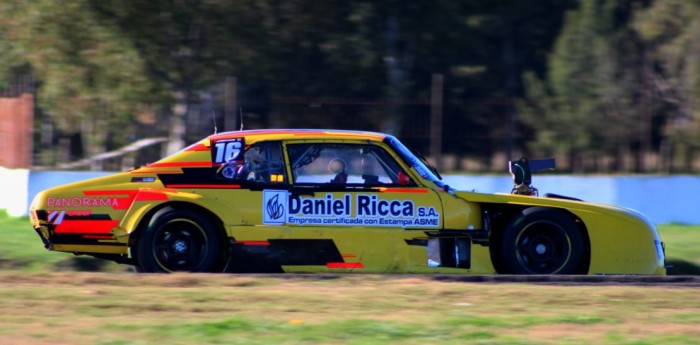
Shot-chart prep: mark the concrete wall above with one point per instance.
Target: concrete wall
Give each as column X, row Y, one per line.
column 19, row 186
column 662, row 199
column 14, row 190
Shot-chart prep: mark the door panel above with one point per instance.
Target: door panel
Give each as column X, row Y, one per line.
column 372, row 229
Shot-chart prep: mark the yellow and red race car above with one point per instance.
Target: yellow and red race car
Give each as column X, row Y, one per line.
column 333, row 201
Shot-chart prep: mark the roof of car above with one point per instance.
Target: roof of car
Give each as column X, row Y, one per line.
column 267, row 134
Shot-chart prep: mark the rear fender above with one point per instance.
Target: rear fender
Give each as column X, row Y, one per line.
column 146, row 204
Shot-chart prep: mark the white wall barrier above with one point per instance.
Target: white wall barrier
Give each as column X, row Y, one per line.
column 40, row 180
column 13, row 191
column 664, row 199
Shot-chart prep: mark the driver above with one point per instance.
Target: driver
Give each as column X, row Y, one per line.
column 256, row 163
column 337, row 166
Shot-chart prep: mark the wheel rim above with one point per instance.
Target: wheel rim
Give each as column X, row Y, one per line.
column 180, row 245
column 543, row 247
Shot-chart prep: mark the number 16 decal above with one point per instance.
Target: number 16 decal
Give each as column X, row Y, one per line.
column 226, row 150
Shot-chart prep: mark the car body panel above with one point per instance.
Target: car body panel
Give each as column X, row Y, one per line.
column 287, row 225
column 619, row 237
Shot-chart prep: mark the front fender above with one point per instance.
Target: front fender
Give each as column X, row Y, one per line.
column 622, row 241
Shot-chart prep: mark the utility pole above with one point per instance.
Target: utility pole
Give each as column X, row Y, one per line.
column 230, row 104
column 436, row 99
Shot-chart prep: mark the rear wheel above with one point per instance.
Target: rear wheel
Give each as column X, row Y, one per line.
column 180, row 240
column 542, row 241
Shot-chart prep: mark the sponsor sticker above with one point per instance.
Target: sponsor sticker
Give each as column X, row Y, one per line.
column 80, row 202
column 56, row 217
column 274, row 206
column 281, row 207
column 226, row 150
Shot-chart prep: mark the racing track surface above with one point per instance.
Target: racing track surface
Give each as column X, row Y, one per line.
column 620, row 280
column 678, row 281
column 688, row 281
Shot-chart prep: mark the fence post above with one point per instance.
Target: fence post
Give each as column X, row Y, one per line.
column 230, row 103
column 436, row 118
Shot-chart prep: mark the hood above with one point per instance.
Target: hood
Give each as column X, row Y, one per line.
column 513, row 199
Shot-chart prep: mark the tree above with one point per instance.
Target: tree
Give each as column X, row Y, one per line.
column 671, row 35
column 91, row 78
column 589, row 103
column 184, row 46
column 102, row 62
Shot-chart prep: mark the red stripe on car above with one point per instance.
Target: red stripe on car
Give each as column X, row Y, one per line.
column 129, row 192
column 75, row 226
column 156, row 172
column 345, row 265
column 205, row 164
column 98, row 237
column 253, row 243
column 403, row 190
column 205, row 186
column 151, row 196
column 198, row 147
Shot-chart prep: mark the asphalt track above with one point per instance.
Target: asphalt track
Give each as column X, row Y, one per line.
column 671, row 281
column 687, row 281
column 571, row 280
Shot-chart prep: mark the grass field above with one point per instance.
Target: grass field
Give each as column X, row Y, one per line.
column 123, row 308
column 682, row 248
column 44, row 301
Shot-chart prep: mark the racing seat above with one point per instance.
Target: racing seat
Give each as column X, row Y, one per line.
column 371, row 180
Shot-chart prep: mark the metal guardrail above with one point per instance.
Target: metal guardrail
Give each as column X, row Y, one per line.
column 90, row 161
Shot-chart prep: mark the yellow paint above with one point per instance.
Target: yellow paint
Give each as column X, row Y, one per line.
column 622, row 242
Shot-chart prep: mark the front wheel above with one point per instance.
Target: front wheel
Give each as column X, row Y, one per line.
column 542, row 241
column 180, row 240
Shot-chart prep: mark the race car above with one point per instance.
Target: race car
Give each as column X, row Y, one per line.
column 334, row 201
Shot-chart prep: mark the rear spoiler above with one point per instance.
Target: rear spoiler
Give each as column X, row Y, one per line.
column 522, row 169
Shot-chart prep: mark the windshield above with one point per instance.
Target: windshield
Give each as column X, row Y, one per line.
column 418, row 164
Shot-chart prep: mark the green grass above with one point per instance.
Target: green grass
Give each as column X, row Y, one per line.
column 682, row 248
column 43, row 306
column 21, row 249
column 126, row 308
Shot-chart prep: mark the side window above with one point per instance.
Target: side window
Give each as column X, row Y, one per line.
column 344, row 164
column 259, row 163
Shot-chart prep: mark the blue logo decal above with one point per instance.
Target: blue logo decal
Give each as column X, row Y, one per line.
column 274, row 206
column 275, row 210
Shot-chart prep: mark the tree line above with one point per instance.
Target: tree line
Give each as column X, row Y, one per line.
column 603, row 85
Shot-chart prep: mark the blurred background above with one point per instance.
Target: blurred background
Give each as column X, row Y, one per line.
column 603, row 86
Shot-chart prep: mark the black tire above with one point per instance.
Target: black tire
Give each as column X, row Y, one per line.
column 542, row 241
column 180, row 240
